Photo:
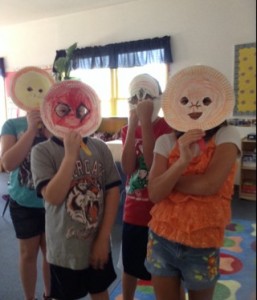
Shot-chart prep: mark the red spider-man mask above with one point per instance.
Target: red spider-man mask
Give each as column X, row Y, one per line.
column 71, row 106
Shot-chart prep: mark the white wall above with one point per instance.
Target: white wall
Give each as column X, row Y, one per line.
column 202, row 31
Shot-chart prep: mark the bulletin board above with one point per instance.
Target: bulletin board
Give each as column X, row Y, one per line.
column 245, row 79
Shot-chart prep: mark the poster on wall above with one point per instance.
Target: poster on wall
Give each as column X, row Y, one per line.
column 245, row 79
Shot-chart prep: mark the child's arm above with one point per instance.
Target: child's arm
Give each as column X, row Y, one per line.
column 162, row 179
column 100, row 247
column 13, row 151
column 128, row 158
column 56, row 190
column 144, row 112
column 217, row 172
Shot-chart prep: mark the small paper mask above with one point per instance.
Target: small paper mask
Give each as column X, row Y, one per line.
column 144, row 87
column 71, row 106
column 197, row 97
column 29, row 86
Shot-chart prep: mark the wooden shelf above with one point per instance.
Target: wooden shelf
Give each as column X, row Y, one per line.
column 247, row 196
column 248, row 168
column 248, row 172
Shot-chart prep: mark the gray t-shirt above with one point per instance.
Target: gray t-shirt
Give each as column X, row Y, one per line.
column 71, row 226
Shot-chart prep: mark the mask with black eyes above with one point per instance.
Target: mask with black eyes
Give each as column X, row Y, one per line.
column 145, row 87
column 71, row 106
column 197, row 97
column 29, row 86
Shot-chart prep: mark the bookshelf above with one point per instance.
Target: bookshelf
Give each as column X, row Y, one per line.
column 248, row 170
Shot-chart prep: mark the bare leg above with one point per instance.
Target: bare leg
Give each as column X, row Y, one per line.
column 166, row 288
column 129, row 284
column 206, row 294
column 28, row 265
column 45, row 267
column 182, row 293
column 101, row 296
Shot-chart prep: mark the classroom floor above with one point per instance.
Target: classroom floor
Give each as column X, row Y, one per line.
column 10, row 286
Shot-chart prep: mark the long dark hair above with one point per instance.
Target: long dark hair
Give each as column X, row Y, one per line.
column 209, row 133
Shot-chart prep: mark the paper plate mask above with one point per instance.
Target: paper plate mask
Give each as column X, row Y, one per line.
column 143, row 87
column 71, row 106
column 197, row 97
column 29, row 86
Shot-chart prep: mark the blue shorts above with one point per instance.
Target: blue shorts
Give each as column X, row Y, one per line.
column 198, row 268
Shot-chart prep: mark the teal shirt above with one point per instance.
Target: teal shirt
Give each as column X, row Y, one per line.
column 21, row 187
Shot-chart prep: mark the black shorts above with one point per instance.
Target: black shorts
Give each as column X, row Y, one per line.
column 28, row 222
column 67, row 284
column 134, row 247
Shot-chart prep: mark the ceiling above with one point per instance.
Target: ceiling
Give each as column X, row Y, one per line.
column 21, row 11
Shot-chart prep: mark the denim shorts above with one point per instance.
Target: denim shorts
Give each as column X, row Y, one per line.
column 198, row 268
column 67, row 284
column 28, row 222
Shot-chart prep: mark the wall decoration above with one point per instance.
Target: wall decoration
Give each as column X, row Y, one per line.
column 245, row 79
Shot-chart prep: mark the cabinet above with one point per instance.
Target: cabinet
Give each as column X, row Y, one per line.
column 248, row 170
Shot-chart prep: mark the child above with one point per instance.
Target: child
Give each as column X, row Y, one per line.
column 27, row 211
column 191, row 183
column 138, row 137
column 81, row 193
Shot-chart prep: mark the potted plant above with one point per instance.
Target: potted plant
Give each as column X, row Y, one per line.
column 63, row 64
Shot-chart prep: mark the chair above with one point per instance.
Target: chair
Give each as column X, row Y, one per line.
column 6, row 197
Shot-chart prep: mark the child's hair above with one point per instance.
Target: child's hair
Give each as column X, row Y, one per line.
column 208, row 134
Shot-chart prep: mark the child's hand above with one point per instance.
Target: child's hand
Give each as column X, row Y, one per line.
column 72, row 141
column 133, row 119
column 99, row 253
column 145, row 111
column 34, row 120
column 188, row 144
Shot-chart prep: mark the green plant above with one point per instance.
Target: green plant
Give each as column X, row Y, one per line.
column 63, row 64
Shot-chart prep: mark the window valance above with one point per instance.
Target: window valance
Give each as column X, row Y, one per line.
column 121, row 55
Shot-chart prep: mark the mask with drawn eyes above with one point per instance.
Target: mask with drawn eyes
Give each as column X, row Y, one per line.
column 29, row 86
column 197, row 97
column 145, row 87
column 71, row 106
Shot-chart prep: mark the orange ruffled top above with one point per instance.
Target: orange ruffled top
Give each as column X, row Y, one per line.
column 195, row 221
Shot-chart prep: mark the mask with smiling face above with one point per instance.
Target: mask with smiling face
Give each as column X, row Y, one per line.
column 197, row 97
column 71, row 106
column 145, row 87
column 29, row 86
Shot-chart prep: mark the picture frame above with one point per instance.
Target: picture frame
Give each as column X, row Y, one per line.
column 245, row 79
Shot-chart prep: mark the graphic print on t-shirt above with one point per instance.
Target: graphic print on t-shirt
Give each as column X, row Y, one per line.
column 137, row 186
column 85, row 202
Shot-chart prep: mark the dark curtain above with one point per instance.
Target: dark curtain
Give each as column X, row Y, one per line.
column 2, row 68
column 121, row 55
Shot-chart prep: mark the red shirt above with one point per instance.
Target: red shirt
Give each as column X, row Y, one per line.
column 137, row 205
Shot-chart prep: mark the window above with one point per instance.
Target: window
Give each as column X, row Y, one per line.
column 110, row 68
column 101, row 81
column 112, row 85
